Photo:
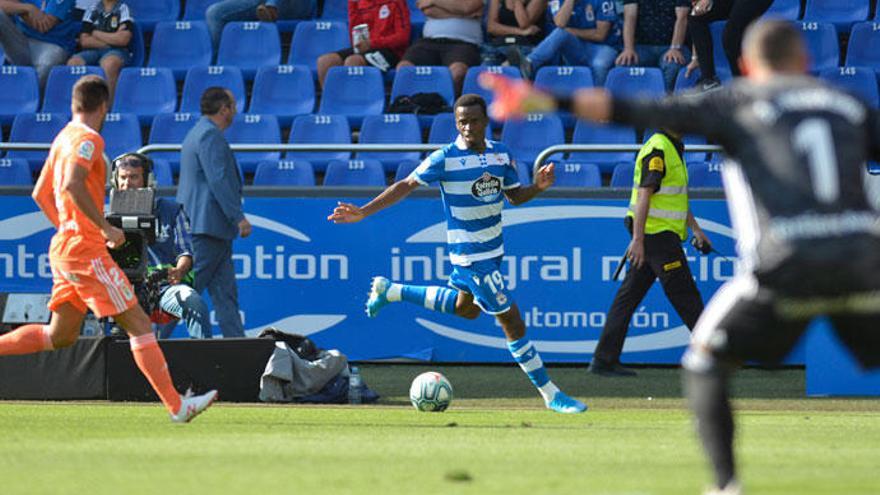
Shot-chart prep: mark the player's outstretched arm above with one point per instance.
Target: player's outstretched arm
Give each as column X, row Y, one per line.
column 544, row 178
column 349, row 213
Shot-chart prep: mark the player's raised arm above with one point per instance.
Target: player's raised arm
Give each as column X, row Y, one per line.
column 350, row 213
column 544, row 178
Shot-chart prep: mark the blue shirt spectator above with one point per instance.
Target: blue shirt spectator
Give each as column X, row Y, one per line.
column 41, row 34
column 653, row 35
column 587, row 33
column 218, row 14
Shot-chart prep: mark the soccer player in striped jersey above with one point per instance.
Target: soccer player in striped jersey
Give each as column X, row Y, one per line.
column 475, row 175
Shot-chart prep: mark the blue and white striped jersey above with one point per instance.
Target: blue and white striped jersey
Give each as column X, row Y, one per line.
column 472, row 186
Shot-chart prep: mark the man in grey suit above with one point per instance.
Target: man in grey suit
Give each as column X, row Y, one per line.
column 210, row 192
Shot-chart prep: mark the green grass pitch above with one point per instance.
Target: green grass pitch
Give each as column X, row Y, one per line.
column 637, row 438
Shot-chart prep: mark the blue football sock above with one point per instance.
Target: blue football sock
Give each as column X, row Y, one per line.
column 525, row 354
column 435, row 298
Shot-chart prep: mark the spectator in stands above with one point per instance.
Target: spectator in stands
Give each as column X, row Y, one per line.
column 387, row 36
column 38, row 33
column 452, row 36
column 739, row 14
column 654, row 33
column 106, row 33
column 218, row 14
column 210, row 192
column 587, row 33
column 515, row 27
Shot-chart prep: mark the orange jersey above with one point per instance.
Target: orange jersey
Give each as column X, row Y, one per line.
column 77, row 237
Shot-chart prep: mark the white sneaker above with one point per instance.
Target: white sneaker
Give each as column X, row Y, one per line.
column 733, row 488
column 192, row 406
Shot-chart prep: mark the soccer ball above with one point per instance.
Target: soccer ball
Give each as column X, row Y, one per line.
column 430, row 392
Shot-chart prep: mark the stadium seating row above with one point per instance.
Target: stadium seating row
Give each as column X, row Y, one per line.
column 150, row 12
column 366, row 172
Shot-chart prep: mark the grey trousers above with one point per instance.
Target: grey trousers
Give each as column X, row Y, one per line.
column 22, row 50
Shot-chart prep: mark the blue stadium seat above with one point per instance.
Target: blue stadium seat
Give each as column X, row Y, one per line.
column 15, row 172
column 284, row 91
column 860, row 81
column 704, row 174
column 162, row 172
column 35, row 128
column 194, row 10
column 19, row 92
column 387, row 129
column 785, row 9
column 137, row 46
column 311, row 39
column 319, row 129
column 472, row 86
column 354, row 92
column 180, row 45
column 443, row 129
column 684, row 83
column 171, row 128
column 122, row 134
column 864, row 46
column 198, row 79
column 59, row 86
column 577, row 174
column 148, row 12
column 335, row 10
column 412, row 80
column 145, row 91
column 354, row 173
column 2, row 56
column 249, row 46
column 636, row 81
column 588, row 133
column 404, row 169
column 623, row 175
column 524, row 172
column 821, row 38
column 416, row 20
column 254, row 129
column 564, row 81
column 284, row 173
column 842, row 13
column 527, row 137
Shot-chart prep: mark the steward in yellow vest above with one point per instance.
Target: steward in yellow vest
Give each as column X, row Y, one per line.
column 658, row 218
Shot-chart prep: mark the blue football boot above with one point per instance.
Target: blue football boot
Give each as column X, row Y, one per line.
column 377, row 298
column 564, row 404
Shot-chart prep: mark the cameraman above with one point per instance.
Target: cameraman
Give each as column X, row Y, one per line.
column 172, row 251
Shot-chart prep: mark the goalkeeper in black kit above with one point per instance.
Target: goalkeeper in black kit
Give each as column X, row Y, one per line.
column 807, row 235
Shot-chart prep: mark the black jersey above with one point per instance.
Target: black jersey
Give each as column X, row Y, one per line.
column 796, row 180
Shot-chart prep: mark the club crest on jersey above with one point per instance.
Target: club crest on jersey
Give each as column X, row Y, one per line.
column 501, row 299
column 486, row 188
column 86, row 150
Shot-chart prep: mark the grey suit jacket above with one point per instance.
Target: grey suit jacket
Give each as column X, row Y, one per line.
column 210, row 185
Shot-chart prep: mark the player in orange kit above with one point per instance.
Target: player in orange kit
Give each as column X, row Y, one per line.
column 70, row 191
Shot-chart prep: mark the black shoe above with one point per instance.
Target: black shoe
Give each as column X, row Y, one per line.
column 605, row 369
column 709, row 85
column 525, row 65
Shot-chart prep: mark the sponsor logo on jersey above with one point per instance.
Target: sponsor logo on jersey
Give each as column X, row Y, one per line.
column 486, row 188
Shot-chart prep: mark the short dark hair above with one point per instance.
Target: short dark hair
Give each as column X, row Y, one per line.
column 214, row 99
column 89, row 93
column 471, row 100
column 776, row 43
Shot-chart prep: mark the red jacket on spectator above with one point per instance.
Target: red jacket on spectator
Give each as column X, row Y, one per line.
column 388, row 21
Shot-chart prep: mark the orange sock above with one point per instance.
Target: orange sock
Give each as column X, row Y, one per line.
column 151, row 361
column 26, row 339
